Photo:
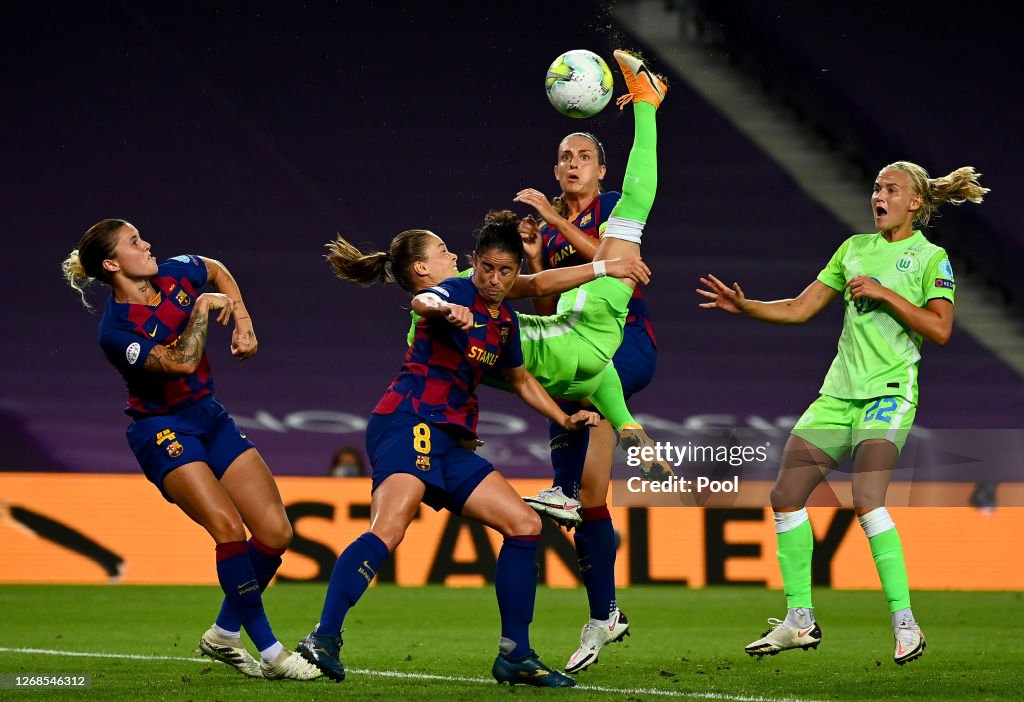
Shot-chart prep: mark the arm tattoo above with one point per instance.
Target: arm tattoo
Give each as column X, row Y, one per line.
column 187, row 349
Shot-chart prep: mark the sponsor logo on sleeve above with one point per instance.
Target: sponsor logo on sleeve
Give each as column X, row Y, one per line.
column 439, row 291
column 185, row 259
column 132, row 352
column 943, row 283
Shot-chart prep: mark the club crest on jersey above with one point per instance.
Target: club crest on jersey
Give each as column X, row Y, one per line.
column 904, row 264
column 866, row 304
column 423, row 462
column 174, row 449
column 587, row 219
column 504, row 334
column 183, row 298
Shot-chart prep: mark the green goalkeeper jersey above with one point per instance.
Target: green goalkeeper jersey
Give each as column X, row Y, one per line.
column 878, row 355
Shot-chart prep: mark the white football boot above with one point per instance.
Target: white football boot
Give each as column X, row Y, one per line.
column 557, row 505
column 231, row 652
column 290, row 666
column 909, row 644
column 596, row 635
column 782, row 637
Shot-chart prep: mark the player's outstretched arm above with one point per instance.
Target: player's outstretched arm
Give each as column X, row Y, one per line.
column 814, row 298
column 183, row 358
column 523, row 384
column 243, row 338
column 558, row 280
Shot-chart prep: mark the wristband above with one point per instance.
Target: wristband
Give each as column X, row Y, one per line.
column 600, row 269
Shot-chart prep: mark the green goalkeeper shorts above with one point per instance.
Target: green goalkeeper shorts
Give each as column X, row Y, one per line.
column 569, row 350
column 836, row 426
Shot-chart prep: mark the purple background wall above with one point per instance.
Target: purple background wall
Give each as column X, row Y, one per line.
column 252, row 132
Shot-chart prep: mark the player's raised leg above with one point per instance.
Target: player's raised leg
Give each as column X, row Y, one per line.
column 640, row 182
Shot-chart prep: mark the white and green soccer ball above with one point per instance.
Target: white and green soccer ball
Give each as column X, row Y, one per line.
column 579, row 83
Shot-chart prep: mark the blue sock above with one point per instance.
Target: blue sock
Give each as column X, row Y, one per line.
column 515, row 584
column 241, row 588
column 595, row 549
column 568, row 453
column 265, row 562
column 355, row 568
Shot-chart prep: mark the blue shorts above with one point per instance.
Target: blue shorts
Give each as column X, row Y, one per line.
column 202, row 432
column 405, row 443
column 635, row 360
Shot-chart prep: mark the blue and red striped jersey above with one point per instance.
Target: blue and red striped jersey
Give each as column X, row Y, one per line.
column 128, row 332
column 559, row 253
column 444, row 364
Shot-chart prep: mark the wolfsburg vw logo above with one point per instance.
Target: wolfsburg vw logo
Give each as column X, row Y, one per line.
column 904, row 264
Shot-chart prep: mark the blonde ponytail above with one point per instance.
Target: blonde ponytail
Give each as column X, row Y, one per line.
column 958, row 187
column 74, row 273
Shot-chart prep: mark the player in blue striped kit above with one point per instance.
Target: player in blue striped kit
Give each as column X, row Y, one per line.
column 154, row 330
column 419, row 437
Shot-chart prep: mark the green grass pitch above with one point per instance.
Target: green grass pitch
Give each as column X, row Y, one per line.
column 439, row 643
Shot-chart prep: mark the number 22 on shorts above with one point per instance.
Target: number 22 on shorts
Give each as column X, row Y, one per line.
column 882, row 410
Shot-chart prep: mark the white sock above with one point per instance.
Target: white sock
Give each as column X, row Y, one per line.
column 270, row 653
column 220, row 631
column 903, row 616
column 626, row 229
column 788, row 521
column 876, row 521
column 800, row 617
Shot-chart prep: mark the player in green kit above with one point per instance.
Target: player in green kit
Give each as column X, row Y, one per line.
column 897, row 288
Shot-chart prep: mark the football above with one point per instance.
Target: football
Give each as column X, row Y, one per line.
column 579, row 83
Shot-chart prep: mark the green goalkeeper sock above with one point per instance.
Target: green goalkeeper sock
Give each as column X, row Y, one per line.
column 796, row 545
column 640, row 182
column 887, row 550
column 608, row 400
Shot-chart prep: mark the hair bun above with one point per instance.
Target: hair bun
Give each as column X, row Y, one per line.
column 501, row 217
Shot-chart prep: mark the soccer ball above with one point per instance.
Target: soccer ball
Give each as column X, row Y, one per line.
column 579, row 83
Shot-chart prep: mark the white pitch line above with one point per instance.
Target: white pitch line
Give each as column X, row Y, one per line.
column 426, row 676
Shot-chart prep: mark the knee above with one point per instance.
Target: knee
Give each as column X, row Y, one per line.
column 524, row 522
column 783, row 499
column 225, row 528
column 867, row 499
column 280, row 535
column 275, row 532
